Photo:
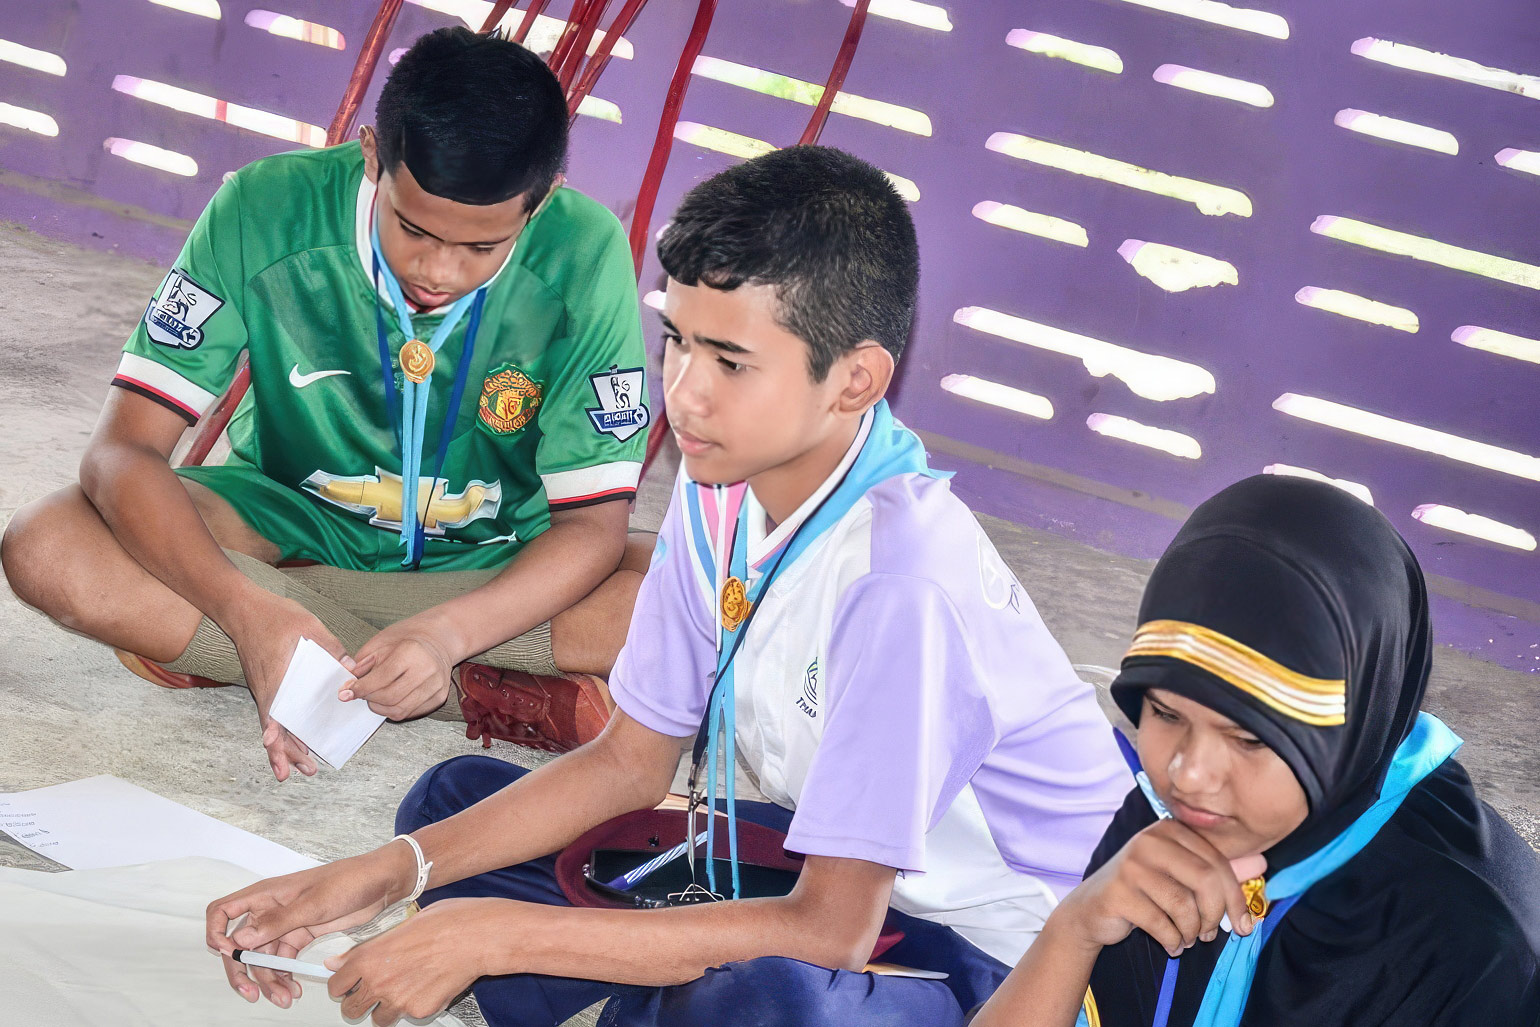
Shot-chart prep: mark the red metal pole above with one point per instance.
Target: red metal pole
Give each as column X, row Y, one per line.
column 601, row 57
column 495, row 15
column 363, row 71
column 218, row 417
column 579, row 51
column 647, row 196
column 663, row 143
column 568, row 33
column 847, row 53
column 530, row 14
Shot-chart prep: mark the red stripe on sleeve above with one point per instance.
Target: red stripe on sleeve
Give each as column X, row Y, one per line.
column 136, row 385
column 591, row 498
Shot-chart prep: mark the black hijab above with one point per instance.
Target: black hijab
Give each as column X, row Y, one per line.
column 1437, row 920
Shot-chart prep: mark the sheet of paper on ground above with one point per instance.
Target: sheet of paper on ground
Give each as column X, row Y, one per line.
column 124, row 946
column 107, row 822
column 308, row 706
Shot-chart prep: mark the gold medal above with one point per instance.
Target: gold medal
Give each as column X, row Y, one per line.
column 416, row 361
column 735, row 603
column 1255, row 892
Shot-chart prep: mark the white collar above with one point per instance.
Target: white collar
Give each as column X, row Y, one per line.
column 365, row 251
column 761, row 545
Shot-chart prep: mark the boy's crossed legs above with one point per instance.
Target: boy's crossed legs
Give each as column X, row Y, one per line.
column 62, row 558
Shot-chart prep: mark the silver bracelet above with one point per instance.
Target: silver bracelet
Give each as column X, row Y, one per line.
column 423, row 866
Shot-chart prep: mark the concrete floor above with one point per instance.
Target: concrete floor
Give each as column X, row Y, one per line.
column 68, row 710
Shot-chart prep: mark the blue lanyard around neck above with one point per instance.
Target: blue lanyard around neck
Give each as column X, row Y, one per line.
column 721, row 705
column 1173, row 966
column 888, row 450
column 410, row 420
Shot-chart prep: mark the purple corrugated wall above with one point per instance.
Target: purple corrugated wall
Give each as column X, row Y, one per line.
column 1256, row 340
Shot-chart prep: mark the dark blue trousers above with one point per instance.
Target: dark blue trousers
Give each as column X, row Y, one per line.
column 767, row 992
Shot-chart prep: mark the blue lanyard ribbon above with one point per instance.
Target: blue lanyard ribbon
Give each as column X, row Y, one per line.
column 1174, row 966
column 409, row 423
column 722, row 707
column 718, row 732
column 890, row 449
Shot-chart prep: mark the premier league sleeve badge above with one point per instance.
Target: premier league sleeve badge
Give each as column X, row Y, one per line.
column 175, row 318
column 620, row 412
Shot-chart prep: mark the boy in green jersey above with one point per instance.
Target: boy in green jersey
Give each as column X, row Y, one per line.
column 446, row 377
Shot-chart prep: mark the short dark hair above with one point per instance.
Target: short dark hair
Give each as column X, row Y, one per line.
column 478, row 119
column 826, row 229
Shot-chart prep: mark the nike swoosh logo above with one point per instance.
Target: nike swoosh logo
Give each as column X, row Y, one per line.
column 299, row 381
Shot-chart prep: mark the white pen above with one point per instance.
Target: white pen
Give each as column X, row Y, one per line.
column 293, row 966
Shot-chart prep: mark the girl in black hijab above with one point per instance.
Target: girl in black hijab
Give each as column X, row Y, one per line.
column 1282, row 653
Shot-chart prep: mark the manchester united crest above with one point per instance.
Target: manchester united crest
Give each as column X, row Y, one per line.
column 509, row 399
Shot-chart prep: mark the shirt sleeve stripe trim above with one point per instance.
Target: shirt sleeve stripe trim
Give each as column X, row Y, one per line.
column 596, row 498
column 586, row 482
column 155, row 395
column 154, row 375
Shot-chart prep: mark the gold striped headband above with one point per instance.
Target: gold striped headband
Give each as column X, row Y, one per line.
column 1314, row 701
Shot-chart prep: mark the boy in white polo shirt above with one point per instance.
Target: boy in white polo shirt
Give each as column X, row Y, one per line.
column 819, row 593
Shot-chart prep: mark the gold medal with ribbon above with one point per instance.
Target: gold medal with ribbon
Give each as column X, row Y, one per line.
column 735, row 603
column 416, row 361
column 1255, row 893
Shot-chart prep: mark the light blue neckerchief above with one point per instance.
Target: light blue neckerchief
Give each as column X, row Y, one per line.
column 890, row 450
column 414, row 397
column 1423, row 751
column 1430, row 743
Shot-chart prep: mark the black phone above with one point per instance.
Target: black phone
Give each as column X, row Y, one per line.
column 672, row 878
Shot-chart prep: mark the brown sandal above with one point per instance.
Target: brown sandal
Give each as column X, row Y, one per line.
column 556, row 714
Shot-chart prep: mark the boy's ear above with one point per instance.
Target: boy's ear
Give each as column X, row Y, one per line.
column 869, row 371
column 371, row 146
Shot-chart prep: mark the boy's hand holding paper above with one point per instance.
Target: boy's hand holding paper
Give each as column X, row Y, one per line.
column 308, row 706
column 404, row 671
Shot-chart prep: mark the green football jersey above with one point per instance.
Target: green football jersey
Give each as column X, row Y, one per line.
column 554, row 413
